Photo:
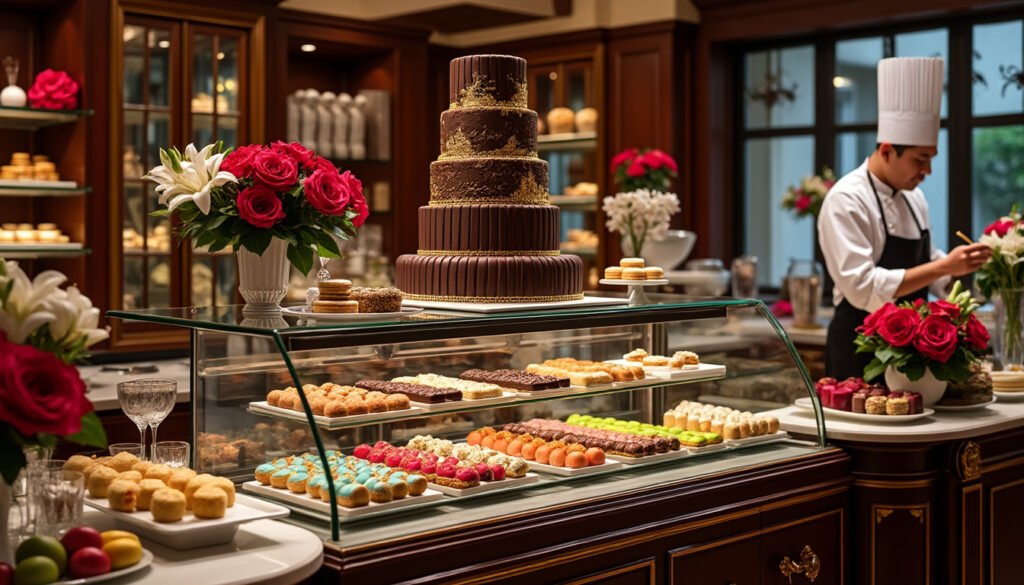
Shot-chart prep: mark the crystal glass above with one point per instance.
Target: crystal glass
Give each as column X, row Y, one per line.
column 804, row 281
column 171, row 453
column 57, row 497
column 136, row 449
column 744, row 277
column 147, row 401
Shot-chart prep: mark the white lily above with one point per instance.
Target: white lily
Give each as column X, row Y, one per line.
column 25, row 308
column 179, row 180
column 74, row 317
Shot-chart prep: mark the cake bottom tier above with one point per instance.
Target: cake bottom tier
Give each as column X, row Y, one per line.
column 490, row 279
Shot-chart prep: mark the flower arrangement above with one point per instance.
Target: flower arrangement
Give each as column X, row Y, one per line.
column 943, row 336
column 647, row 168
column 806, row 198
column 43, row 331
column 639, row 215
column 53, row 90
column 247, row 197
column 1002, row 277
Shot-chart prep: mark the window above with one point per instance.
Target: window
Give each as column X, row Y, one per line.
column 794, row 124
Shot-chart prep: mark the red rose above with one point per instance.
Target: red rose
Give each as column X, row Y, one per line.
column 976, row 333
column 323, row 163
column 664, row 159
column 328, row 192
column 899, row 326
column 298, row 153
column 38, row 392
column 53, row 90
column 636, row 169
column 944, row 308
column 259, row 206
column 239, row 161
column 359, row 205
column 936, row 338
column 873, row 321
column 275, row 170
column 802, row 203
column 1000, row 227
column 623, row 157
column 653, row 159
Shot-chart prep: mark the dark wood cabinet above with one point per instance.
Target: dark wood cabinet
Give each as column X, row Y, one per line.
column 812, row 546
column 735, row 560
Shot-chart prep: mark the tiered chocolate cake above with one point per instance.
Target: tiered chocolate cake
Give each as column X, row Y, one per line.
column 490, row 233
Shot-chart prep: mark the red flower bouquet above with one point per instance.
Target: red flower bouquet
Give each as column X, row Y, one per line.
column 942, row 336
column 53, row 90
column 647, row 168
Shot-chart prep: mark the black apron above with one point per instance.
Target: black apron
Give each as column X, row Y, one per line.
column 840, row 360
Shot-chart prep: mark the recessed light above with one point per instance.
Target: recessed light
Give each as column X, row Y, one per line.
column 164, row 44
column 220, row 56
column 308, row 48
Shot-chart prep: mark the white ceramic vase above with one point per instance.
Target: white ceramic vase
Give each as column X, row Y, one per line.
column 263, row 280
column 668, row 253
column 928, row 386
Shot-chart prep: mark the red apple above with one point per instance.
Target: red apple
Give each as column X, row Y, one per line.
column 88, row 562
column 80, row 537
column 6, row 574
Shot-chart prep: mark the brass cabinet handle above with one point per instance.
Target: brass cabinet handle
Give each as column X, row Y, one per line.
column 809, row 565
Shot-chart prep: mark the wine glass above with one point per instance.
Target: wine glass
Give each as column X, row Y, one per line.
column 147, row 401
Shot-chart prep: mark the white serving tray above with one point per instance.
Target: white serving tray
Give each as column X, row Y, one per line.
column 487, row 486
column 965, row 407
column 571, row 472
column 319, row 505
column 262, row 407
column 34, row 183
column 586, row 301
column 694, row 451
column 506, row 397
column 305, row 312
column 758, row 440
column 702, row 371
column 192, row 532
column 682, row 452
column 884, row 419
column 147, row 558
column 1008, row 396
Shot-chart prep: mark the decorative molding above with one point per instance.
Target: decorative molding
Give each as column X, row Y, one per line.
column 969, row 461
column 920, row 511
column 882, row 514
column 648, row 564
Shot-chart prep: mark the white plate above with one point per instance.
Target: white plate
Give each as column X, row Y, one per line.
column 964, row 407
column 683, row 452
column 586, row 301
column 805, row 403
column 487, row 486
column 319, row 505
column 304, row 312
column 758, row 440
column 261, row 407
column 573, row 472
column 623, row 282
column 1008, row 396
column 457, row 404
column 192, row 532
column 702, row 371
column 709, row 449
column 147, row 558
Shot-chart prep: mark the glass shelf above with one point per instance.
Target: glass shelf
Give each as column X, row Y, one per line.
column 581, row 251
column 33, row 119
column 586, row 201
column 37, row 191
column 34, row 252
column 567, row 141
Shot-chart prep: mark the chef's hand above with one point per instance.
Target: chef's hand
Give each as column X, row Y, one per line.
column 966, row 259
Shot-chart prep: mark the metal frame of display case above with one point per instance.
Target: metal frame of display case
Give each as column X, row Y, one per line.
column 451, row 325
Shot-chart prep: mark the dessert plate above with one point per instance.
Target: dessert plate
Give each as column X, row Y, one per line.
column 487, row 486
column 623, row 282
column 683, row 452
column 964, row 407
column 192, row 532
column 574, row 472
column 304, row 312
column 586, row 301
column 261, row 407
column 147, row 558
column 319, row 505
column 702, row 371
column 1008, row 396
column 885, row 419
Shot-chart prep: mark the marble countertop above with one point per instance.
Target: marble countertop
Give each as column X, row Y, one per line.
column 941, row 426
column 102, row 386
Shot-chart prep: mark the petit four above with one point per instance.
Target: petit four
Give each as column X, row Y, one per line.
column 856, row 395
column 333, row 401
column 559, row 453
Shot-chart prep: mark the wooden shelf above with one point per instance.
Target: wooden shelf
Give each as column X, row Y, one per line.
column 36, row 251
column 588, row 201
column 34, row 119
column 567, row 141
column 37, row 191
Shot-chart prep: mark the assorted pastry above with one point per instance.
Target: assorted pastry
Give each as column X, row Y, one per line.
column 1007, row 381
column 685, row 437
column 130, row 484
column 414, row 392
column 579, row 239
column 332, row 400
column 588, row 373
column 465, row 455
column 558, row 453
column 582, row 188
column 513, row 380
column 157, row 240
column 624, row 444
column 856, row 395
column 469, row 389
column 680, row 360
column 26, row 233
column 357, row 482
column 26, row 167
column 339, row 296
column 731, row 424
column 633, row 269
column 977, row 388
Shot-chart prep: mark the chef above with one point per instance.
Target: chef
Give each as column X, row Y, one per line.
column 873, row 226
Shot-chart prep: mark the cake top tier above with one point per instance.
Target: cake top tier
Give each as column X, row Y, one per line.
column 487, row 80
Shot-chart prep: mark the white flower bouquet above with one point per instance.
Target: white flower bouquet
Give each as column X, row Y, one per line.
column 1001, row 278
column 639, row 215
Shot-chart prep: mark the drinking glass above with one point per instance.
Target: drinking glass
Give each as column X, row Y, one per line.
column 744, row 277
column 147, row 401
column 58, row 498
column 173, row 454
column 136, row 449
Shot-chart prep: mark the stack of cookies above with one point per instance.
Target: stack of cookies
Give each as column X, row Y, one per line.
column 25, row 167
column 633, row 269
column 1008, row 381
column 335, row 297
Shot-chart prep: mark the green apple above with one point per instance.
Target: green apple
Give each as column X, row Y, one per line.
column 46, row 546
column 36, row 570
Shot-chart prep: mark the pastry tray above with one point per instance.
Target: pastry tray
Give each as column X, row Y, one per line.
column 261, row 407
column 574, row 472
column 305, row 501
column 683, row 452
column 192, row 532
column 702, row 371
column 758, row 440
column 891, row 419
column 487, row 486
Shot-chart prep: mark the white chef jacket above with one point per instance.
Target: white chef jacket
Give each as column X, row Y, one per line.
column 852, row 236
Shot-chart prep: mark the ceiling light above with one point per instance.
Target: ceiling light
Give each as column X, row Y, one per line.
column 552, row 76
column 308, row 48
column 164, row 44
column 220, row 56
column 840, row 82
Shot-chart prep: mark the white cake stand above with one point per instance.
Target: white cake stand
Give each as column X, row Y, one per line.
column 637, row 296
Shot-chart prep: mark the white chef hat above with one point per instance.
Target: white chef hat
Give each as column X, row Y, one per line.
column 909, row 100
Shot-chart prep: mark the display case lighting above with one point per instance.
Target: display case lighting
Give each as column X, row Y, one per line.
column 308, row 48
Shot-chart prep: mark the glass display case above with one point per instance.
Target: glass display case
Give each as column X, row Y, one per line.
column 634, row 415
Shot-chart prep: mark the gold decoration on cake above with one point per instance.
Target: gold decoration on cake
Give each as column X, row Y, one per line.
column 488, row 252
column 529, row 192
column 479, row 94
column 455, row 299
column 459, row 146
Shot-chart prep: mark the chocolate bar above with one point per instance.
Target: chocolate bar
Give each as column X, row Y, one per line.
column 516, row 379
column 415, row 392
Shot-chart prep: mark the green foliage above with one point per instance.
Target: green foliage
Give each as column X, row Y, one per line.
column 998, row 168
